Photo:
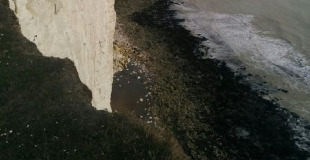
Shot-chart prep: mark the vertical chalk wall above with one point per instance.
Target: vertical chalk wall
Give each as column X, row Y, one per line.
column 81, row 30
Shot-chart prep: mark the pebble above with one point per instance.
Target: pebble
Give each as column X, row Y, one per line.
column 4, row 134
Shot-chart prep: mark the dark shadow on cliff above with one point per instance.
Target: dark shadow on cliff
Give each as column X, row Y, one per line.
column 228, row 120
column 45, row 110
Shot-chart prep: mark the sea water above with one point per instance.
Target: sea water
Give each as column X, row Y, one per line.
column 270, row 38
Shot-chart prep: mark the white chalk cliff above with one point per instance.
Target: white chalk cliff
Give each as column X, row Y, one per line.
column 81, row 30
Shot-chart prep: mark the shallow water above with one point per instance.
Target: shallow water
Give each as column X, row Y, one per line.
column 130, row 94
column 270, row 38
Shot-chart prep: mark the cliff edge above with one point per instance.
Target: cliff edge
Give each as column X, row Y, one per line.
column 46, row 112
column 78, row 30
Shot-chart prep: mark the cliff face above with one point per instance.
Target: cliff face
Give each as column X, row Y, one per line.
column 76, row 29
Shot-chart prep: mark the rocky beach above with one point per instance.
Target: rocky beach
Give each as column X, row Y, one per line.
column 168, row 101
column 210, row 110
column 46, row 111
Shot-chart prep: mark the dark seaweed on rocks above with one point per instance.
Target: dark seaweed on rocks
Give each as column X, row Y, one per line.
column 227, row 120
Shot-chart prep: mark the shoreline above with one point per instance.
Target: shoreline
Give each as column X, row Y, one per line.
column 211, row 113
column 235, row 39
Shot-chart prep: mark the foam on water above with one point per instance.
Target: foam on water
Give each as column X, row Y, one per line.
column 234, row 39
